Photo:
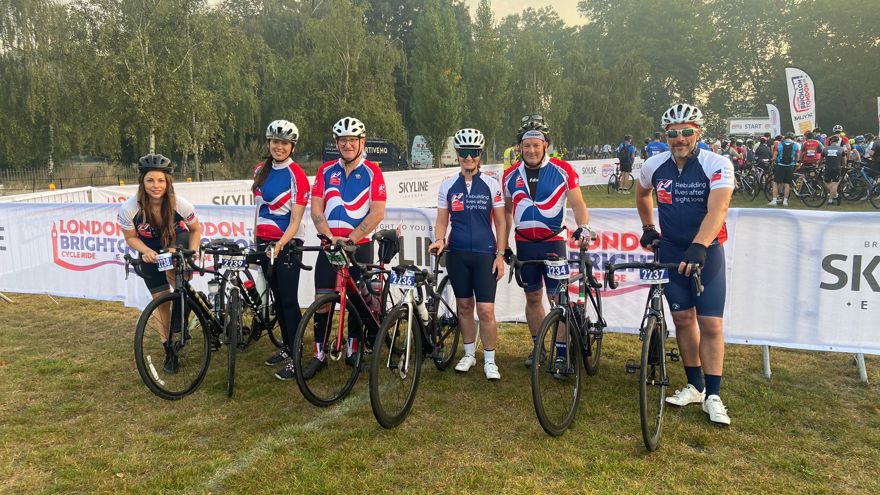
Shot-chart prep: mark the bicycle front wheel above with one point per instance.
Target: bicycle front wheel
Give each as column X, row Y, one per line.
column 446, row 329
column 813, row 193
column 324, row 371
column 395, row 367
column 612, row 184
column 172, row 357
column 652, row 382
column 556, row 374
column 591, row 342
column 233, row 331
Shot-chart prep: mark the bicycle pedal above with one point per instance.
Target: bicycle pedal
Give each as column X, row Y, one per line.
column 632, row 367
column 673, row 355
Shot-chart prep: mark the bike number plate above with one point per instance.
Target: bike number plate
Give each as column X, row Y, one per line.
column 336, row 258
column 557, row 270
column 234, row 263
column 163, row 262
column 653, row 276
column 405, row 281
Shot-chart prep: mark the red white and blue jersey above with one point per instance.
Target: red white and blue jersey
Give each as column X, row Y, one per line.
column 683, row 196
column 347, row 200
column 285, row 186
column 539, row 217
column 470, row 211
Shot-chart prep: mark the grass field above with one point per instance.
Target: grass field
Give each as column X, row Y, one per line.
column 75, row 418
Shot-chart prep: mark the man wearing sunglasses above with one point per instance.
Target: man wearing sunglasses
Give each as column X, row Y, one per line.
column 693, row 188
column 536, row 190
column 472, row 202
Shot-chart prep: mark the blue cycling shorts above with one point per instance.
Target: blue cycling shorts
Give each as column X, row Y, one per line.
column 471, row 275
column 680, row 293
column 533, row 274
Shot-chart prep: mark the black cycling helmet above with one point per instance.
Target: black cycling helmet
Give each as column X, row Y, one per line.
column 154, row 161
column 533, row 126
column 789, row 135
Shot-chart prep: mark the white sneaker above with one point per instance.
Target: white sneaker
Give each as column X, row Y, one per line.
column 685, row 396
column 716, row 410
column 772, row 203
column 785, row 202
column 491, row 370
column 466, row 363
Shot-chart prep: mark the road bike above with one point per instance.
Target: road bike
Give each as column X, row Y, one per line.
column 614, row 181
column 569, row 336
column 424, row 324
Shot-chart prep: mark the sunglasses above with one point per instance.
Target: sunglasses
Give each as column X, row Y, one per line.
column 532, row 118
column 686, row 132
column 469, row 152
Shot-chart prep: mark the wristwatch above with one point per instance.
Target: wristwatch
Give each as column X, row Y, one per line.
column 499, row 253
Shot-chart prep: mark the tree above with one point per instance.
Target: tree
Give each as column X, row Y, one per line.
column 438, row 93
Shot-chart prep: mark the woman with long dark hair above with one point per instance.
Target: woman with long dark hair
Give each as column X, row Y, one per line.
column 155, row 220
column 281, row 191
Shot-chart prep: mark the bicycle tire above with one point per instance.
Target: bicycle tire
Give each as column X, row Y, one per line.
column 750, row 186
column 555, row 395
column 273, row 328
column 336, row 379
column 854, row 189
column 813, row 193
column 768, row 191
column 233, row 331
column 874, row 197
column 395, row 367
column 612, row 184
column 652, row 383
column 447, row 331
column 190, row 346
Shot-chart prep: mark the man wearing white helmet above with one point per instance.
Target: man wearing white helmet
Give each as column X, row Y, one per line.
column 536, row 190
column 348, row 202
column 693, row 188
column 472, row 202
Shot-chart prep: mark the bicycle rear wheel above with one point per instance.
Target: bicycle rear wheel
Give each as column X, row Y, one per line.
column 556, row 375
column 273, row 328
column 333, row 378
column 172, row 364
column 446, row 329
column 395, row 367
column 813, row 193
column 233, row 331
column 612, row 184
column 652, row 382
column 750, row 186
column 874, row 196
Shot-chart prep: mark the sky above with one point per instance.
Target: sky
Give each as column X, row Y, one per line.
column 567, row 9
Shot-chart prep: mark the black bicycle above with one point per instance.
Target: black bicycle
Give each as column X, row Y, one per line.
column 570, row 335
column 653, row 332
column 176, row 333
column 424, row 324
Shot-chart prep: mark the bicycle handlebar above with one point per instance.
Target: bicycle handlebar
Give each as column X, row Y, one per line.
column 651, row 265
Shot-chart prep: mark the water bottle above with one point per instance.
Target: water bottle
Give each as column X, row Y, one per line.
column 251, row 290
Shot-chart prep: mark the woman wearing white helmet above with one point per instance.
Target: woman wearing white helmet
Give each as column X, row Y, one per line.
column 472, row 202
column 281, row 193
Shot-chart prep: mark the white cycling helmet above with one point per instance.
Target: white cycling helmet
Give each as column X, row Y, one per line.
column 682, row 114
column 837, row 128
column 282, row 130
column 349, row 127
column 468, row 138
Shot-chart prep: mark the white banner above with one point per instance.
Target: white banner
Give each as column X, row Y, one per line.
column 775, row 120
column 799, row 279
column 740, row 126
column 73, row 195
column 802, row 100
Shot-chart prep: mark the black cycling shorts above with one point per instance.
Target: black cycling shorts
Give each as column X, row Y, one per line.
column 680, row 293
column 783, row 174
column 471, row 275
column 533, row 274
column 155, row 280
column 626, row 167
column 832, row 175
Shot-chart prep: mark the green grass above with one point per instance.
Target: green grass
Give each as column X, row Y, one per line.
column 75, row 418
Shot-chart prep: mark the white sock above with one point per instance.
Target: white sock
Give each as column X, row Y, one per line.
column 470, row 349
column 489, row 356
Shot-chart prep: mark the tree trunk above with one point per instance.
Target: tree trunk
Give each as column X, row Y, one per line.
column 51, row 152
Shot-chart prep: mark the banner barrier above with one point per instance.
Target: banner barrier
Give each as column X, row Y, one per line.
column 797, row 279
column 407, row 188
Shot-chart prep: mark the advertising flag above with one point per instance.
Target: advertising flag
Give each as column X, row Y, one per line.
column 802, row 99
column 775, row 120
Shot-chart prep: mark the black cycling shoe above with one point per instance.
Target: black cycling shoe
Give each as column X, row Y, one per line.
column 286, row 373
column 171, row 361
column 353, row 360
column 561, row 370
column 279, row 357
column 312, row 369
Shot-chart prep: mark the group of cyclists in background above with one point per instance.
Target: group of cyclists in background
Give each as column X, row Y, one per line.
column 477, row 213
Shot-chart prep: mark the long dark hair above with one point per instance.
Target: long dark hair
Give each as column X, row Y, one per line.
column 262, row 172
column 164, row 223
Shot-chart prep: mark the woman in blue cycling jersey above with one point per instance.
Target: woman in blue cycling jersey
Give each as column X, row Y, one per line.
column 471, row 203
column 281, row 192
column 154, row 220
